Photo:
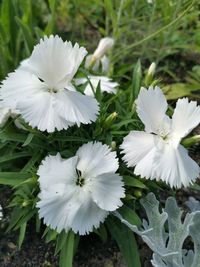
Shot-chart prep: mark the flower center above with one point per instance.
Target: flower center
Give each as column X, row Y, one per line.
column 80, row 180
column 52, row 90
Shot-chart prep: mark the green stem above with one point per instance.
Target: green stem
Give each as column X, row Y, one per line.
column 187, row 142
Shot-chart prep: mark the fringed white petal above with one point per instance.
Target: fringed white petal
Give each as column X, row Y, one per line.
column 87, row 216
column 106, row 84
column 174, row 166
column 55, row 170
column 136, row 146
column 44, row 109
column 55, row 205
column 76, row 108
column 151, row 108
column 95, row 159
column 55, row 61
column 186, row 117
column 107, row 191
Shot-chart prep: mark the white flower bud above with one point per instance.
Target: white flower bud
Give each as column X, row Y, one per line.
column 104, row 45
column 152, row 69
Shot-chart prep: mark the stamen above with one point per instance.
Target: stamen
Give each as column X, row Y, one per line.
column 80, row 180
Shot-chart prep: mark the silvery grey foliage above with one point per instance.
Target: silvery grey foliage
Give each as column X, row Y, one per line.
column 193, row 204
column 167, row 245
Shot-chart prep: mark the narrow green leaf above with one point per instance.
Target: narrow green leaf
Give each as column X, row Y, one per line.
column 14, row 156
column 29, row 214
column 13, row 178
column 61, row 240
column 15, row 216
column 51, row 235
column 102, row 232
column 50, row 28
column 130, row 215
column 125, row 240
column 136, row 82
column 67, row 252
column 28, row 38
column 22, row 234
column 131, row 181
column 28, row 139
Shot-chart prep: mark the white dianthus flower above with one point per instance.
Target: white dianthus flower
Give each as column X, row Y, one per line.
column 78, row 193
column 156, row 152
column 106, row 84
column 41, row 89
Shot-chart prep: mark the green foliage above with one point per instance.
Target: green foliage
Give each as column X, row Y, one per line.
column 126, row 242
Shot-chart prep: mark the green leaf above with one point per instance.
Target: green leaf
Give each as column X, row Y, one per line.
column 130, row 215
column 15, row 216
column 102, row 232
column 25, row 218
column 131, row 181
column 29, row 41
column 50, row 28
column 13, row 178
column 136, row 82
column 14, row 156
column 125, row 240
column 22, row 234
column 61, row 240
column 177, row 90
column 51, row 235
column 67, row 251
column 28, row 139
column 7, row 22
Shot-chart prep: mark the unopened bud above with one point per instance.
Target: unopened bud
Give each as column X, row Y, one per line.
column 152, row 69
column 110, row 119
column 150, row 74
column 25, row 204
column 113, row 145
column 137, row 193
column 103, row 47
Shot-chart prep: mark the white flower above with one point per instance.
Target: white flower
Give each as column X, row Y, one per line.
column 78, row 193
column 103, row 47
column 41, row 90
column 156, row 152
column 106, row 84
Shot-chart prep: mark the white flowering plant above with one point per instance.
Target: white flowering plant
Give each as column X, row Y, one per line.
column 79, row 145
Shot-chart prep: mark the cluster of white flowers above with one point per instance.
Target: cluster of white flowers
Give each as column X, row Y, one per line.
column 78, row 193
